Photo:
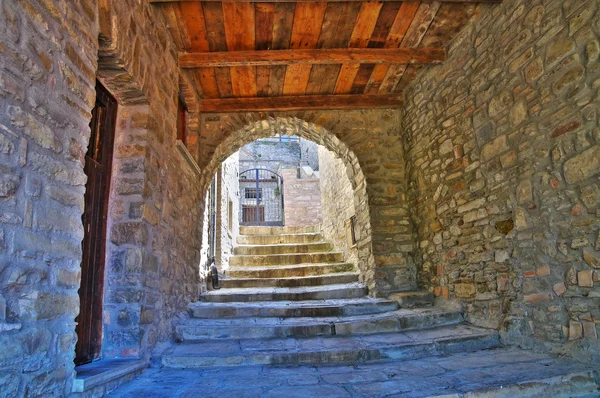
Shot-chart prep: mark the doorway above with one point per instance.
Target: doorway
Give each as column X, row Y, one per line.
column 98, row 166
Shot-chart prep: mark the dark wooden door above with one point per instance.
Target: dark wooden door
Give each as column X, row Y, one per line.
column 98, row 164
column 249, row 214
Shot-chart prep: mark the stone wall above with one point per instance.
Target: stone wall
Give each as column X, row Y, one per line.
column 156, row 202
column 269, row 154
column 229, row 191
column 48, row 54
column 301, row 200
column 337, row 203
column 309, row 153
column 503, row 155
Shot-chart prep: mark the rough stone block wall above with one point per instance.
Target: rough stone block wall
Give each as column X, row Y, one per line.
column 50, row 56
column 337, row 202
column 309, row 153
column 503, row 146
column 229, row 191
column 270, row 155
column 48, row 53
column 156, row 203
column 301, row 200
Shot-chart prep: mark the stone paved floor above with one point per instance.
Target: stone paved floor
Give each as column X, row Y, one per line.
column 489, row 373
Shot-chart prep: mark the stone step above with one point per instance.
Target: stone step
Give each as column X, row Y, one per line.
column 289, row 282
column 279, row 239
column 338, row 349
column 265, row 230
column 291, row 270
column 413, row 299
column 266, row 328
column 296, row 248
column 341, row 291
column 288, row 309
column 286, row 259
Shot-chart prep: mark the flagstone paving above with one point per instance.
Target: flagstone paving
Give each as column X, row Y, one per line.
column 487, row 373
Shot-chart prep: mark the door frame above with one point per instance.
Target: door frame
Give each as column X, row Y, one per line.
column 95, row 231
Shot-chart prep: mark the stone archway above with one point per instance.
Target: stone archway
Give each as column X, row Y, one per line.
column 376, row 257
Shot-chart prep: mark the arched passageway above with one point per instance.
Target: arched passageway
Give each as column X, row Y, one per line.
column 384, row 234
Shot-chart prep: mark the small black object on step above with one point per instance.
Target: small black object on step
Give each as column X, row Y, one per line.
column 214, row 273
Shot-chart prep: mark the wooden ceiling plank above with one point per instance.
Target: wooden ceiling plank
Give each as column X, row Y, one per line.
column 301, row 102
column 283, row 21
column 223, row 76
column 306, row 30
column 240, row 33
column 362, row 78
column 336, row 31
column 412, row 38
column 193, row 17
column 379, row 73
column 448, row 21
column 263, row 75
column 345, row 26
column 265, row 14
column 420, row 24
column 174, row 26
column 264, row 19
column 243, row 81
column 404, row 17
column 365, row 24
column 276, row 78
column 346, row 77
column 312, row 1
column 207, row 79
column 329, row 79
column 333, row 13
column 314, row 56
column 393, row 75
column 296, row 79
column 386, row 19
column 362, row 32
column 215, row 36
column 215, row 28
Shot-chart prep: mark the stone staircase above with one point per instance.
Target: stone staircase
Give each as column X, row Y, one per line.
column 289, row 298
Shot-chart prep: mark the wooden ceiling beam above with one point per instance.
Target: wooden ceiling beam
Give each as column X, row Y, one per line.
column 313, row 56
column 312, row 1
column 299, row 102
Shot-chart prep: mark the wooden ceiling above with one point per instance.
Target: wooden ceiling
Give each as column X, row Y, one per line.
column 280, row 54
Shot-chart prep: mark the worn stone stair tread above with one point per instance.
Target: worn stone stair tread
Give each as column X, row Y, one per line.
column 220, row 348
column 295, row 304
column 338, row 349
column 264, row 290
column 273, row 321
column 286, row 266
column 265, row 230
column 296, row 270
column 305, row 237
column 274, row 327
column 282, row 248
column 327, row 279
column 285, row 259
column 352, row 306
column 337, row 291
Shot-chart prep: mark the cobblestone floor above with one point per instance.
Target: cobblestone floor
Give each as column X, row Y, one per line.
column 493, row 373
